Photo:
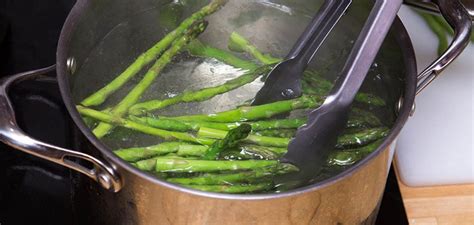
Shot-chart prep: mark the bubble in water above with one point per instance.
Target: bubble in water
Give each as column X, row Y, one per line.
column 378, row 77
column 288, row 92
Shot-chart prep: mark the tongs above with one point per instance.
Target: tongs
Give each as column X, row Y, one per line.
column 313, row 141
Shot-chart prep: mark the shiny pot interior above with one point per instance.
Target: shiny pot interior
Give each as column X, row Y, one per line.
column 103, row 37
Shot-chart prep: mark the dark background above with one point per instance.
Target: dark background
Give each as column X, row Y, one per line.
column 31, row 189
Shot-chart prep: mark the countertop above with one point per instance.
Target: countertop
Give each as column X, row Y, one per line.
column 439, row 205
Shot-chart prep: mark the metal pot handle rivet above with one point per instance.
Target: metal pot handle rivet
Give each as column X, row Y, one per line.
column 10, row 133
column 399, row 106
column 71, row 65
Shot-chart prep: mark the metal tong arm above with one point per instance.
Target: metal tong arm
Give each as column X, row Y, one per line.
column 311, row 145
column 317, row 31
column 11, row 134
column 284, row 81
column 364, row 51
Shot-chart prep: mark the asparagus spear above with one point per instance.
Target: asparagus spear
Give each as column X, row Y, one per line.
column 240, row 44
column 437, row 30
column 277, row 124
column 167, row 135
column 146, row 165
column 151, row 54
column 166, row 124
column 247, row 113
column 234, row 178
column 119, row 110
column 360, row 118
column 200, row 95
column 357, row 119
column 316, row 85
column 150, row 164
column 282, row 133
column 188, row 166
column 344, row 141
column 259, row 149
column 361, row 138
column 350, row 156
column 231, row 139
column 233, row 189
column 238, row 155
column 177, row 125
column 200, row 49
column 256, row 152
column 180, row 148
column 255, row 139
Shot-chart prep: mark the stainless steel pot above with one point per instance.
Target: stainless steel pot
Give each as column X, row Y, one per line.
column 129, row 196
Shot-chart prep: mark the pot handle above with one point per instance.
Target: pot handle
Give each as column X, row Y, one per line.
column 458, row 18
column 11, row 134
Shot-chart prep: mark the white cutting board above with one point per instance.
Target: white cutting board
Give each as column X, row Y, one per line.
column 436, row 145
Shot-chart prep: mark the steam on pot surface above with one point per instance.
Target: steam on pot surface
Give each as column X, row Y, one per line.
column 169, row 87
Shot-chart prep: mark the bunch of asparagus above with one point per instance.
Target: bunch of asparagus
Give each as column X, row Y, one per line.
column 234, row 151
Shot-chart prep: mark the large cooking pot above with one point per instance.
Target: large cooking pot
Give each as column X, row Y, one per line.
column 126, row 195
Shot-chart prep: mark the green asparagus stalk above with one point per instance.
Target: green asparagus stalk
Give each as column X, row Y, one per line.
column 357, row 119
column 238, row 43
column 146, row 165
column 316, row 80
column 247, row 152
column 231, row 139
column 258, row 152
column 119, row 110
column 282, row 133
column 199, row 49
column 166, row 124
column 254, row 139
column 150, row 164
column 177, row 125
column 258, row 149
column 151, row 54
column 191, row 166
column 348, row 157
column 316, row 85
column 437, row 30
column 360, row 118
column 200, row 95
column 233, row 189
column 238, row 155
column 235, row 178
column 167, row 135
column 180, row 148
column 277, row 124
column 361, row 138
column 247, row 113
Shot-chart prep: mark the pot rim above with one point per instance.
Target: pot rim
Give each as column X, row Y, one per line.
column 402, row 39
